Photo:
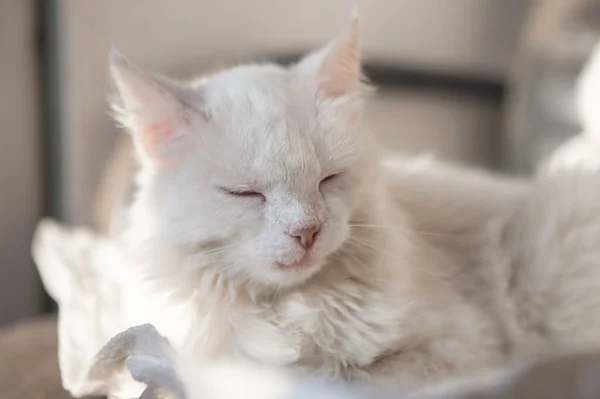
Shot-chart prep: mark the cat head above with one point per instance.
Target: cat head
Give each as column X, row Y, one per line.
column 263, row 165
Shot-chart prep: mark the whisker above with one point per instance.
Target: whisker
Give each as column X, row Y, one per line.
column 374, row 249
column 224, row 247
column 223, row 270
column 409, row 230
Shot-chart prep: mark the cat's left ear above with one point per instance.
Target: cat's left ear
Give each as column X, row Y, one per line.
column 336, row 68
column 152, row 108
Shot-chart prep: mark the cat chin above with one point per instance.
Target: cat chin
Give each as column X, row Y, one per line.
column 291, row 275
column 307, row 261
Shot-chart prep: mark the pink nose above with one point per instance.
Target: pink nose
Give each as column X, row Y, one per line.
column 306, row 237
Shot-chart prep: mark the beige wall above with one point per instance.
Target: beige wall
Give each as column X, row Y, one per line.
column 20, row 180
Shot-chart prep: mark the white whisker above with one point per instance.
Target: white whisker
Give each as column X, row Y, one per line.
column 374, row 249
column 409, row 230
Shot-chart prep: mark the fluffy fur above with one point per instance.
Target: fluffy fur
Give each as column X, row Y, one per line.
column 418, row 270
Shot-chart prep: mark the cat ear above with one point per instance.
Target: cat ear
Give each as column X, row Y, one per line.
column 337, row 66
column 148, row 107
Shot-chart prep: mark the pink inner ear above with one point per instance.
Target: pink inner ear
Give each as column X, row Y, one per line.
column 341, row 70
column 154, row 135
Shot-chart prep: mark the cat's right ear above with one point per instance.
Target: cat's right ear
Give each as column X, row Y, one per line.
column 148, row 108
column 336, row 68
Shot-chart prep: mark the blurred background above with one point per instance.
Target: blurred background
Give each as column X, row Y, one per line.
column 486, row 83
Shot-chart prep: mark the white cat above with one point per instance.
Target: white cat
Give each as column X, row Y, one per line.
column 267, row 221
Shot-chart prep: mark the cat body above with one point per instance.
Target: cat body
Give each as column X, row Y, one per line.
column 267, row 226
column 443, row 296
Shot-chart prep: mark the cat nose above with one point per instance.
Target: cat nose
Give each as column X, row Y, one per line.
column 306, row 236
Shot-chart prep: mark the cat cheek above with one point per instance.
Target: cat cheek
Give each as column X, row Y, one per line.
column 337, row 190
column 355, row 117
column 334, row 232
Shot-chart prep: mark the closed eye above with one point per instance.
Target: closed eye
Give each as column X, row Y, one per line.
column 329, row 178
column 243, row 193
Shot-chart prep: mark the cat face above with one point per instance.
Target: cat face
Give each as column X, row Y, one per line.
column 259, row 166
